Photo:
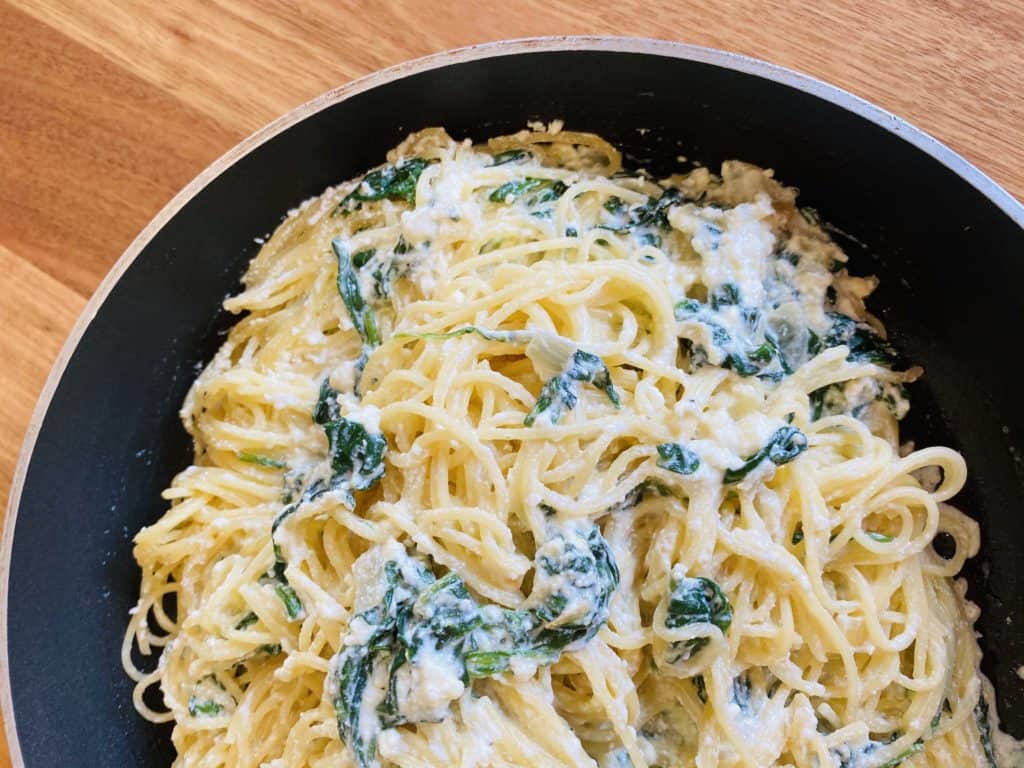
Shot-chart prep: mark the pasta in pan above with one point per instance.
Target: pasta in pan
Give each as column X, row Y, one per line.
column 516, row 458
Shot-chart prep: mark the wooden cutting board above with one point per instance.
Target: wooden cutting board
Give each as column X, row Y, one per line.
column 108, row 107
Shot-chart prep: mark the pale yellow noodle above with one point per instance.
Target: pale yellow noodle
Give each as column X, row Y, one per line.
column 846, row 623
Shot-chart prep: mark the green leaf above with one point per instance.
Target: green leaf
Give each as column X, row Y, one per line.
column 984, row 723
column 265, row 461
column 615, row 205
column 676, row 458
column 510, row 156
column 392, row 182
column 203, row 708
column 883, row 538
column 361, row 258
column 352, row 674
column 357, row 456
column 910, row 751
column 702, row 690
column 763, row 357
column 530, row 191
column 363, row 318
column 440, row 615
column 864, row 344
column 247, row 621
column 726, row 294
column 292, row 604
column 327, row 408
column 653, row 213
column 511, row 337
column 782, row 447
column 695, row 600
column 561, row 393
column 573, row 569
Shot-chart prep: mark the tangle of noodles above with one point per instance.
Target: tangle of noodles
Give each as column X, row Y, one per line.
column 515, row 458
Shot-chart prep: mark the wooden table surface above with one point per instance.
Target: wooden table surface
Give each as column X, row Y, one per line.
column 108, row 107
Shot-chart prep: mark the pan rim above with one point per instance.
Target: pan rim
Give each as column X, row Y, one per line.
column 923, row 141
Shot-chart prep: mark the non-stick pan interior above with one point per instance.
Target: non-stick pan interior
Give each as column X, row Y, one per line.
column 949, row 260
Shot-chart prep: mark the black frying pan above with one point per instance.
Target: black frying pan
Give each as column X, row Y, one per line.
column 947, row 243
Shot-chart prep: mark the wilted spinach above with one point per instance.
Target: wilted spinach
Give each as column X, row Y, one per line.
column 363, row 317
column 762, row 357
column 785, row 444
column 652, row 213
column 677, row 458
column 486, row 333
column 695, row 600
column 575, row 575
column 561, row 393
column 392, row 182
column 864, row 344
column 531, row 191
column 263, row 461
column 510, row 156
column 984, row 723
column 203, row 708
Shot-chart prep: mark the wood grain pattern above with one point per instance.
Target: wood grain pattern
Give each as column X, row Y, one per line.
column 108, row 107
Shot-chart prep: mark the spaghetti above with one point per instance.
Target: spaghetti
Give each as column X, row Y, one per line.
column 515, row 458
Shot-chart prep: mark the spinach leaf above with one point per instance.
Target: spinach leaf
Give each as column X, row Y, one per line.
column 203, row 708
column 392, row 182
column 782, row 447
column 247, row 621
column 512, row 337
column 726, row 294
column 423, row 616
column 361, row 258
column 530, row 190
column 702, row 689
column 382, row 280
column 798, row 534
column 910, row 751
column 363, row 317
column 439, row 617
column 741, row 692
column 677, row 458
column 695, row 600
column 503, row 634
column 865, row 345
column 653, row 213
column 510, row 156
column 561, row 393
column 353, row 666
column 574, row 578
column 327, row 408
column 854, row 397
column 637, row 493
column 357, row 456
column 208, row 698
column 573, row 583
column 265, row 461
column 357, row 464
column 275, row 577
column 762, row 357
column 286, row 594
column 615, row 205
column 984, row 723
column 882, row 538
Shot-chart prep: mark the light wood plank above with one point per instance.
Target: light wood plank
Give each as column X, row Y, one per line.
column 89, row 152
column 954, row 68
